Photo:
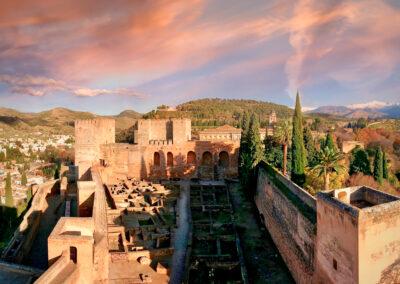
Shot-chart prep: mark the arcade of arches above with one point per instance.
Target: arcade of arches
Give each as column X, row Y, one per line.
column 206, row 159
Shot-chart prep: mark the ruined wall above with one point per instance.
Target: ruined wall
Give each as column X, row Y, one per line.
column 291, row 227
column 89, row 135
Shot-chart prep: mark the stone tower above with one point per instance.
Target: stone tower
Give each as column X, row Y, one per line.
column 358, row 231
column 89, row 135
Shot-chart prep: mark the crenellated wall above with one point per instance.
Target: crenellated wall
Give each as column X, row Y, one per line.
column 89, row 135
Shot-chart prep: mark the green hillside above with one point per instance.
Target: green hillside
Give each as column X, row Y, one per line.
column 214, row 112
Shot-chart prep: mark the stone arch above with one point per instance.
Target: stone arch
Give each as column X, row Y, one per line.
column 156, row 159
column 191, row 158
column 223, row 159
column 207, row 159
column 170, row 159
column 73, row 254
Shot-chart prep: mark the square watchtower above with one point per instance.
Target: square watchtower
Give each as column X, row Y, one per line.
column 358, row 236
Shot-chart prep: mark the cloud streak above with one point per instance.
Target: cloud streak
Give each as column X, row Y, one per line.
column 354, row 43
column 172, row 45
column 39, row 86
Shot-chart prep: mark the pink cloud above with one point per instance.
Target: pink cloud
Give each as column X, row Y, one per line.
column 39, row 86
column 90, row 41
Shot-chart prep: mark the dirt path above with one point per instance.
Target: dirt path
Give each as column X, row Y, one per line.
column 263, row 262
column 181, row 235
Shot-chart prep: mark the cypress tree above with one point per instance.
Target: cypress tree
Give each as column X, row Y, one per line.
column 359, row 162
column 298, row 150
column 378, row 165
column 244, row 159
column 24, row 180
column 329, row 142
column 385, row 166
column 28, row 194
column 309, row 145
column 8, row 189
column 254, row 141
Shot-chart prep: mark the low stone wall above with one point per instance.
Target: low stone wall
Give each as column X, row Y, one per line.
column 289, row 216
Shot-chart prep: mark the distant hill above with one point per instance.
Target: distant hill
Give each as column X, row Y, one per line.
column 55, row 121
column 214, row 112
column 367, row 110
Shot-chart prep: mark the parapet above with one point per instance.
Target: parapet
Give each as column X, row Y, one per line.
column 354, row 199
column 100, row 121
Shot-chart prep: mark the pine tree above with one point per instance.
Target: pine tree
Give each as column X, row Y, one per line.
column 359, row 162
column 309, row 145
column 378, row 165
column 385, row 166
column 298, row 150
column 9, row 194
column 24, row 180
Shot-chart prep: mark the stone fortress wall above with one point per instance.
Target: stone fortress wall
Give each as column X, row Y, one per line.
column 292, row 230
column 349, row 235
column 163, row 148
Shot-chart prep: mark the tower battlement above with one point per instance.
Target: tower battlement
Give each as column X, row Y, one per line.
column 89, row 135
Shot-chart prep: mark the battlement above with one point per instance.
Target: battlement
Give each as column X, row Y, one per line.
column 170, row 130
column 95, row 121
column 90, row 134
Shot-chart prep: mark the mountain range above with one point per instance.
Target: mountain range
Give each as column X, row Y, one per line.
column 374, row 109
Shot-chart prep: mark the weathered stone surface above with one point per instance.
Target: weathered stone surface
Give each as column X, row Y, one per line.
column 144, row 260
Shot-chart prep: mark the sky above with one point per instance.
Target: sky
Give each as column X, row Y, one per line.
column 107, row 56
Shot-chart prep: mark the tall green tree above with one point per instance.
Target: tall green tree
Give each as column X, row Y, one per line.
column 298, row 150
column 8, row 189
column 24, row 180
column 309, row 145
column 329, row 142
column 254, row 141
column 359, row 162
column 378, row 165
column 385, row 166
column 244, row 159
column 328, row 163
column 283, row 135
column 29, row 194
